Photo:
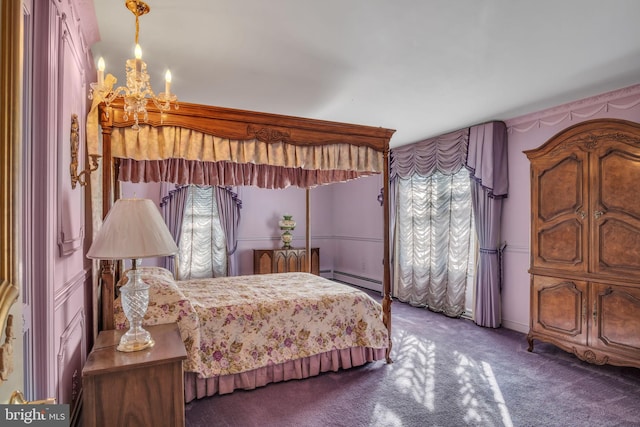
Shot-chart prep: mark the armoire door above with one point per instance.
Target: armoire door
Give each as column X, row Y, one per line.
column 560, row 211
column 616, row 208
column 559, row 309
column 615, row 321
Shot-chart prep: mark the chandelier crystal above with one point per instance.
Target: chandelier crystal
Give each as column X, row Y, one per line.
column 137, row 91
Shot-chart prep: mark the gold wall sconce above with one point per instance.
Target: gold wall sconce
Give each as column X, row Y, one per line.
column 79, row 178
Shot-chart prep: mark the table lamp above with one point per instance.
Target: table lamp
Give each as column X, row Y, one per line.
column 133, row 229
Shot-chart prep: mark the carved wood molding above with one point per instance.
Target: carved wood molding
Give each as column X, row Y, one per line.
column 590, row 356
column 588, row 136
column 235, row 124
column 267, row 134
column 592, row 141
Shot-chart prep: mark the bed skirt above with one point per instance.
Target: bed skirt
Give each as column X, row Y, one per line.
column 197, row 388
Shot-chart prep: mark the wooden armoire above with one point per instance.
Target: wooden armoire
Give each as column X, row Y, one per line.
column 585, row 242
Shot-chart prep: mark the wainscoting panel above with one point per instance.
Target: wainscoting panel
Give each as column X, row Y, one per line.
column 71, row 357
column 72, row 331
column 515, row 288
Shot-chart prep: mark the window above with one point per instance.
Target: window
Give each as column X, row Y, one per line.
column 202, row 251
column 435, row 241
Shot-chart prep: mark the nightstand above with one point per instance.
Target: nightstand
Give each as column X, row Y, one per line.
column 141, row 388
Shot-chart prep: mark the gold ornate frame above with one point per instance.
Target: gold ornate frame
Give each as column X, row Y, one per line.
column 10, row 161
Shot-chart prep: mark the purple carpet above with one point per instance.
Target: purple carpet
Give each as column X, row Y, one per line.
column 446, row 372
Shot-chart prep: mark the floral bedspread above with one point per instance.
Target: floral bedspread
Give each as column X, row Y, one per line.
column 235, row 324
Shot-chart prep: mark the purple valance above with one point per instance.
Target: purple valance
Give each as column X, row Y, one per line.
column 445, row 154
column 487, row 158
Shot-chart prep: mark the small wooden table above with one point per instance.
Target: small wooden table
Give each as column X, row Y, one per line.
column 141, row 388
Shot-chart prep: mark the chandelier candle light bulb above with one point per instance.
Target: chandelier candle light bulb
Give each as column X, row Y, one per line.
column 138, row 54
column 167, row 84
column 101, row 66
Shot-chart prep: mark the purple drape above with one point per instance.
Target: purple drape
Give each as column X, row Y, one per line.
column 229, row 206
column 172, row 207
column 487, row 161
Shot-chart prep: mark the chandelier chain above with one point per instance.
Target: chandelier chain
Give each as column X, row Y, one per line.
column 137, row 27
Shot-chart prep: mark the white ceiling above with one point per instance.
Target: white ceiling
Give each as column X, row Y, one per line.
column 422, row 67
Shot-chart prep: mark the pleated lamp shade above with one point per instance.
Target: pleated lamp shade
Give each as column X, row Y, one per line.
column 133, row 229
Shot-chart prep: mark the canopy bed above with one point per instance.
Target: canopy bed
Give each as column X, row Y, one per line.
column 207, row 145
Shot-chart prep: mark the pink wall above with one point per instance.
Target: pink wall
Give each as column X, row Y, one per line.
column 330, row 211
column 358, row 232
column 261, row 211
column 529, row 132
column 346, row 224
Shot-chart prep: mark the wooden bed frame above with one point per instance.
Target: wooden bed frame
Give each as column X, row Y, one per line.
column 240, row 125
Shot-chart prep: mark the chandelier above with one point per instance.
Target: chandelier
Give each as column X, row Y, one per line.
column 138, row 90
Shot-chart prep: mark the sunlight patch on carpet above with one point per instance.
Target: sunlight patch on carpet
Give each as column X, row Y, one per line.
column 383, row 416
column 469, row 402
column 415, row 371
column 481, row 397
column 497, row 395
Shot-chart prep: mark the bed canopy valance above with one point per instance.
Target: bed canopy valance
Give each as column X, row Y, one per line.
column 265, row 158
column 218, row 146
column 198, row 144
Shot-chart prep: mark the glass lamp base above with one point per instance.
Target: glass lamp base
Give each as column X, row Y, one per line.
column 135, row 299
column 135, row 345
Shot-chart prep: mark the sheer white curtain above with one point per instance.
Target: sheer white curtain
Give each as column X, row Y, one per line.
column 435, row 242
column 202, row 250
column 434, row 251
